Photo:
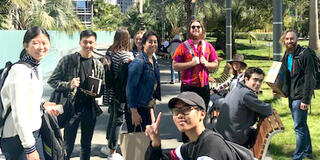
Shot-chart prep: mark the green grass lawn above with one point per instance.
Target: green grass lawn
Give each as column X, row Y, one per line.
column 283, row 144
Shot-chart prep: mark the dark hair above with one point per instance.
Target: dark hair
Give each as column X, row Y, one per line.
column 30, row 34
column 88, row 33
column 147, row 35
column 252, row 70
column 283, row 36
column 203, row 36
column 121, row 41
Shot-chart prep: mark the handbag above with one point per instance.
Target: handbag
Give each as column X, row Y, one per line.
column 60, row 97
column 134, row 145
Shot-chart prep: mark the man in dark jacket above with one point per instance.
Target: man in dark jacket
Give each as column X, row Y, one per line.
column 188, row 110
column 298, row 67
column 241, row 108
column 71, row 75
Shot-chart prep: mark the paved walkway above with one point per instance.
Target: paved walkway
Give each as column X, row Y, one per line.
column 168, row 131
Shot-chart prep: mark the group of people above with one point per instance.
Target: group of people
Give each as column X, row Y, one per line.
column 194, row 58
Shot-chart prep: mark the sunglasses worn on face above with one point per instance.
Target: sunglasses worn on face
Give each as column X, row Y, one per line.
column 194, row 27
column 184, row 110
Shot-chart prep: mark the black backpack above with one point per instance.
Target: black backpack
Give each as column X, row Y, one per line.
column 3, row 75
column 316, row 65
column 52, row 141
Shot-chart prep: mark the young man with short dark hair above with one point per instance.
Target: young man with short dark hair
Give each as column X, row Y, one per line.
column 71, row 76
column 189, row 111
column 241, row 108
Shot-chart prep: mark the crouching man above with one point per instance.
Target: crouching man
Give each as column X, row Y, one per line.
column 241, row 108
column 188, row 110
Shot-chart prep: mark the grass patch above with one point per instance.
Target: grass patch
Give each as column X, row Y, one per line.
column 282, row 145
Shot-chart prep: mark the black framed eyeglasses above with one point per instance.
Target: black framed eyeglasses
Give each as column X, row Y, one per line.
column 194, row 27
column 184, row 110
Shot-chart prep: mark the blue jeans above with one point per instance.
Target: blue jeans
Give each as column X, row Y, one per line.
column 12, row 149
column 303, row 141
column 173, row 76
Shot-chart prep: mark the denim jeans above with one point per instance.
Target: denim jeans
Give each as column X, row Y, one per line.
column 114, row 123
column 173, row 76
column 12, row 149
column 303, row 141
column 87, row 121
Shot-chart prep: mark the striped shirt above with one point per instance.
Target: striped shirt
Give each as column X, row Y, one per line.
column 191, row 76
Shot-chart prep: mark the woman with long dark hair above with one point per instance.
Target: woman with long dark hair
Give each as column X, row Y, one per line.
column 21, row 93
column 143, row 86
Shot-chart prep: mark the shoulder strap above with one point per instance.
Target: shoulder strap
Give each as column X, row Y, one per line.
column 189, row 48
column 203, row 47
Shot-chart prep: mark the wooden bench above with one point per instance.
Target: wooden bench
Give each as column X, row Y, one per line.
column 267, row 127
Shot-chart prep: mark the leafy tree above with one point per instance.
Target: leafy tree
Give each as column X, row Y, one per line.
column 50, row 14
column 147, row 20
column 108, row 17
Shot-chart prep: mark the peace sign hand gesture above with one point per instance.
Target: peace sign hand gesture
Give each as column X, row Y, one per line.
column 152, row 131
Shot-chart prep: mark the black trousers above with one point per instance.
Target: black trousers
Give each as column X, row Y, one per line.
column 203, row 92
column 87, row 120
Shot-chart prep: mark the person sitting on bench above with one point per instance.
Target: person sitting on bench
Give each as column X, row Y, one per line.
column 241, row 108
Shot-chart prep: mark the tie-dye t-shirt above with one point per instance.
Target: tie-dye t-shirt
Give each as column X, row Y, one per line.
column 197, row 75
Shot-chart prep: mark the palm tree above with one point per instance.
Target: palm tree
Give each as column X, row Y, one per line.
column 313, row 25
column 50, row 14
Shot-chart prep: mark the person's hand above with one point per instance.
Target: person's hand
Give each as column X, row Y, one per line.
column 303, row 106
column 135, row 117
column 33, row 156
column 195, row 61
column 49, row 107
column 152, row 131
column 203, row 61
column 75, row 82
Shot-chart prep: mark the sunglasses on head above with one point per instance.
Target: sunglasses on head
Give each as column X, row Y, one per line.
column 194, row 27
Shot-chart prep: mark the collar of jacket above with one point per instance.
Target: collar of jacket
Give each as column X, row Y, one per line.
column 146, row 59
column 242, row 84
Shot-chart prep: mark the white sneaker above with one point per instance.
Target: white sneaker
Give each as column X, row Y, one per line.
column 115, row 156
column 105, row 150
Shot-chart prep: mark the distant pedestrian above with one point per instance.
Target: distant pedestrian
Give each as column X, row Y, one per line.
column 22, row 97
column 72, row 75
column 176, row 41
column 143, row 86
column 120, row 56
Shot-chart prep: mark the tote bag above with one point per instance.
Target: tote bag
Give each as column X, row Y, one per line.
column 134, row 145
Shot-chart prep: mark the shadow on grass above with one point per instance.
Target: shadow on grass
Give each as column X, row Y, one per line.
column 255, row 57
column 246, row 47
column 278, row 152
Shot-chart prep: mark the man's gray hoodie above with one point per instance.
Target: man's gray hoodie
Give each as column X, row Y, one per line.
column 238, row 112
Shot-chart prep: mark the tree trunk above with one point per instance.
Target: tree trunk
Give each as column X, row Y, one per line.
column 313, row 25
column 187, row 7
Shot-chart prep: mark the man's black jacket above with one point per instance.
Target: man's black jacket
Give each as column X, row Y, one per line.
column 301, row 79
